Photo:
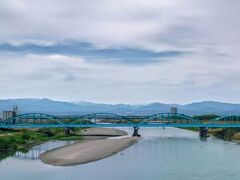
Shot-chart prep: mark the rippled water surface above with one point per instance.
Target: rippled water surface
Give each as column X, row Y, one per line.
column 167, row 154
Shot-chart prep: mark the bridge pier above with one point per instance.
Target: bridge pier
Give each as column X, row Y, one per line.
column 135, row 131
column 67, row 130
column 203, row 132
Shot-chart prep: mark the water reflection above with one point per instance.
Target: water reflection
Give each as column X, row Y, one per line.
column 5, row 154
column 36, row 151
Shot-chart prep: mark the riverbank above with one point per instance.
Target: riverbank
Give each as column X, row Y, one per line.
column 227, row 134
column 23, row 139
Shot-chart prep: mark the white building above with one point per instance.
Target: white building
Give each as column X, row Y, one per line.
column 9, row 114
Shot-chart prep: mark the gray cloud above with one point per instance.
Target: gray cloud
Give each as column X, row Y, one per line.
column 113, row 51
column 93, row 54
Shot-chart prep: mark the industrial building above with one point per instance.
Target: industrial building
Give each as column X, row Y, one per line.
column 10, row 114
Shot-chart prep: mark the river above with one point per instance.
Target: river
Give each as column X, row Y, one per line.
column 167, row 154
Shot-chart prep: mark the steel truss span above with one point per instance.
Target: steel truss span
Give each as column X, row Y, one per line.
column 41, row 120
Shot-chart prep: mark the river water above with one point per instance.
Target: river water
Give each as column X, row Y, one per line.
column 162, row 154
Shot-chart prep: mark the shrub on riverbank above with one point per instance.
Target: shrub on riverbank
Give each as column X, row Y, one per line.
column 228, row 134
column 25, row 138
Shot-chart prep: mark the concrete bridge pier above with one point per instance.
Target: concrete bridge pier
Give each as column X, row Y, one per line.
column 67, row 130
column 135, row 131
column 203, row 133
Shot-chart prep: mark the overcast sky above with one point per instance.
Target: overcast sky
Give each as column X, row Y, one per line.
column 120, row 51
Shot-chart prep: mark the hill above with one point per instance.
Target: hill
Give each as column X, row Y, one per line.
column 58, row 107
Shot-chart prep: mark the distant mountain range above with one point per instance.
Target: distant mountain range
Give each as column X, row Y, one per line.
column 64, row 108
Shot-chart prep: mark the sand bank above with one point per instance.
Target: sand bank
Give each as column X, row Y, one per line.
column 88, row 150
column 101, row 133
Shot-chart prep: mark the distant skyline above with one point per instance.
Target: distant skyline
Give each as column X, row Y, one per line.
column 111, row 51
column 108, row 103
column 56, row 107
